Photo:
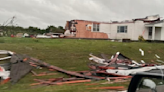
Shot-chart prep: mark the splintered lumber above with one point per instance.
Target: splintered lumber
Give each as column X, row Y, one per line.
column 62, row 70
column 91, row 84
column 62, row 79
column 45, row 74
column 58, row 82
column 111, row 88
column 75, row 81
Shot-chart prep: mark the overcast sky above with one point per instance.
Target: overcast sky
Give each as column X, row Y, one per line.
column 41, row 13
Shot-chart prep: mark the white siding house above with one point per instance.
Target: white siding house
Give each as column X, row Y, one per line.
column 125, row 30
column 153, row 30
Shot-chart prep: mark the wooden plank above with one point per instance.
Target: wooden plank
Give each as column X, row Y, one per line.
column 62, row 70
column 76, row 81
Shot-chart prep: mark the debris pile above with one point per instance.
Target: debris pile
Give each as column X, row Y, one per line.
column 20, row 65
column 119, row 68
column 120, row 65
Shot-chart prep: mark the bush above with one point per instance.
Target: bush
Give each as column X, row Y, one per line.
column 141, row 39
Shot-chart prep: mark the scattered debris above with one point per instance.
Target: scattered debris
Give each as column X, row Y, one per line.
column 142, row 52
column 23, row 64
column 157, row 56
column 120, row 65
column 118, row 68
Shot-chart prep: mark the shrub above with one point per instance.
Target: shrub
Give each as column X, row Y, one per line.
column 141, row 39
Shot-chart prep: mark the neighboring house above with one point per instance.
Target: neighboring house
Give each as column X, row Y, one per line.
column 151, row 28
column 19, row 35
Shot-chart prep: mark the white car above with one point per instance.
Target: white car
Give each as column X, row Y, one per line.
column 43, row 36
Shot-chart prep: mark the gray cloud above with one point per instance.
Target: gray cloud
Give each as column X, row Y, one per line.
column 41, row 13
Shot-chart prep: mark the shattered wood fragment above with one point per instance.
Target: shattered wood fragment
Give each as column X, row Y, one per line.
column 45, row 74
column 70, row 82
column 114, row 59
column 91, row 84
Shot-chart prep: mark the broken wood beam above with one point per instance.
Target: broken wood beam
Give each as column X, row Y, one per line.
column 91, row 84
column 59, row 82
column 75, row 81
column 62, row 70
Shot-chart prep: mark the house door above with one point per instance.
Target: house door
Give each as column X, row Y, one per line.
column 150, row 33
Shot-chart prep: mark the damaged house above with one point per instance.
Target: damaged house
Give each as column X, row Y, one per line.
column 150, row 27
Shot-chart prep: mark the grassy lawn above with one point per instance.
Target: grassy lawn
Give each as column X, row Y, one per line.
column 72, row 54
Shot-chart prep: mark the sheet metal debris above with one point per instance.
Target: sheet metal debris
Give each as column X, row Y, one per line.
column 120, row 65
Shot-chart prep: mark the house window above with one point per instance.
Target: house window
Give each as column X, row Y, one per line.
column 122, row 29
column 96, row 27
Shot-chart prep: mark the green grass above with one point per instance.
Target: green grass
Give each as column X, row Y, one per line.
column 72, row 54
